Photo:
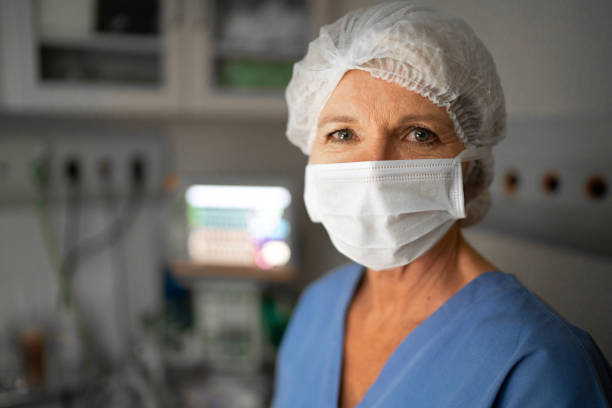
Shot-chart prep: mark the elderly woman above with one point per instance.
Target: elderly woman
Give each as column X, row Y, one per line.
column 398, row 107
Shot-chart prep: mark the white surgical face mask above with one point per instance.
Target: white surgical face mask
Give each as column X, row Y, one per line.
column 383, row 214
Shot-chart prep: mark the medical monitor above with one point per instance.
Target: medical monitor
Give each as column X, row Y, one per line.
column 243, row 224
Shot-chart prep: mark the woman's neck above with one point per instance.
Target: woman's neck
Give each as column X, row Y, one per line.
column 412, row 292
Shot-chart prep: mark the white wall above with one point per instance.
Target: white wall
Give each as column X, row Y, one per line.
column 553, row 57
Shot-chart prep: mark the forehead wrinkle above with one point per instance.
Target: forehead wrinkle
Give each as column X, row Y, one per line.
column 335, row 119
column 362, row 100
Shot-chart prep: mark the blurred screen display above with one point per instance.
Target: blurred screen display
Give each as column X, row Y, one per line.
column 238, row 225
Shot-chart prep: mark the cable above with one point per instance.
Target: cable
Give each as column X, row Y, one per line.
column 121, row 306
column 73, row 206
column 127, row 381
column 40, row 176
column 39, row 173
column 66, row 266
column 120, row 225
column 72, row 174
column 115, row 231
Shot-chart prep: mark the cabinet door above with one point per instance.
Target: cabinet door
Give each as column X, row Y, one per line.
column 243, row 53
column 106, row 56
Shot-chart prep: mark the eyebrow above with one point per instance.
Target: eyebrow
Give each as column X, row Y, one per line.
column 336, row 119
column 406, row 118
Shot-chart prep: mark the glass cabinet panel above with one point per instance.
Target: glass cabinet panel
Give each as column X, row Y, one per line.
column 99, row 42
column 256, row 42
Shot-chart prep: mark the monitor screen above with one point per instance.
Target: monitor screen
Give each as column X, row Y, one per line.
column 241, row 225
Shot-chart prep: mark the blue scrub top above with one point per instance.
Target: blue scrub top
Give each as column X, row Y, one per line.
column 493, row 344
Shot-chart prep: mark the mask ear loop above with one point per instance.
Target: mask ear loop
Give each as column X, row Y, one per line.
column 470, row 155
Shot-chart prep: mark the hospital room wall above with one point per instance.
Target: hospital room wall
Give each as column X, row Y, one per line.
column 552, row 61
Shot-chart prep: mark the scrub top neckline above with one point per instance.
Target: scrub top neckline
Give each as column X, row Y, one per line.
column 413, row 340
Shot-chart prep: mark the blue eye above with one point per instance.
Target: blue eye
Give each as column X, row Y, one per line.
column 342, row 135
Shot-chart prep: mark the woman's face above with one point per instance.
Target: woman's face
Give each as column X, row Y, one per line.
column 368, row 119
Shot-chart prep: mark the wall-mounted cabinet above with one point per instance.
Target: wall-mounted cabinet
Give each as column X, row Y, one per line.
column 219, row 57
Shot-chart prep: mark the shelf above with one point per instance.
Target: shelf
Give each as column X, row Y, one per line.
column 133, row 44
column 190, row 269
column 235, row 51
column 173, row 74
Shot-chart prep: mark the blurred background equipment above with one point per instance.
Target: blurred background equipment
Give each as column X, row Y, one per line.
column 238, row 225
column 143, row 56
column 97, row 42
column 265, row 60
column 153, row 239
column 122, row 311
column 229, row 321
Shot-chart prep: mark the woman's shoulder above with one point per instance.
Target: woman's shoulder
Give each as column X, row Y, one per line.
column 512, row 304
column 520, row 314
column 539, row 343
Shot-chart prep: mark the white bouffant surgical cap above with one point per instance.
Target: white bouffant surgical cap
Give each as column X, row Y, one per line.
column 423, row 50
